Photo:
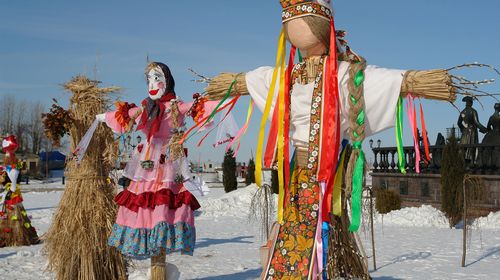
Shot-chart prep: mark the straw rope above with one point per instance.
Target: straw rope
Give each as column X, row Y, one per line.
column 356, row 129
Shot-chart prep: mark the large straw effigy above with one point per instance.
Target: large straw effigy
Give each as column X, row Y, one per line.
column 76, row 242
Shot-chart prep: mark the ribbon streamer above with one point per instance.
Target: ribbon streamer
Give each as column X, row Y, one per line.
column 81, row 148
column 243, row 129
column 265, row 115
column 410, row 107
column 399, row 135
column 357, row 186
column 424, row 134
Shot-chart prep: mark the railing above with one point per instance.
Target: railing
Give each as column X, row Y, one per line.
column 482, row 159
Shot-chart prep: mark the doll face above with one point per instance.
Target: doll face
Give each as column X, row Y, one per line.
column 301, row 36
column 156, row 83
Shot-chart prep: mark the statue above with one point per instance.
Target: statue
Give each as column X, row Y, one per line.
column 493, row 134
column 468, row 122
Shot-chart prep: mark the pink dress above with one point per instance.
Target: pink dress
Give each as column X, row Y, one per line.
column 156, row 211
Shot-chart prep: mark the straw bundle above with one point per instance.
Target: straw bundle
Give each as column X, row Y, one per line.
column 430, row 84
column 76, row 242
column 218, row 86
column 346, row 257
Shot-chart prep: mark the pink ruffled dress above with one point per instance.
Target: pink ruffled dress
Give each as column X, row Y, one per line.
column 156, row 211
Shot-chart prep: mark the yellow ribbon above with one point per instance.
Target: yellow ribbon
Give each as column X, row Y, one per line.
column 337, row 186
column 281, row 136
column 280, row 58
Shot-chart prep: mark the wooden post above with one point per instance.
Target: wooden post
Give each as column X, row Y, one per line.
column 464, row 245
column 158, row 267
column 371, row 226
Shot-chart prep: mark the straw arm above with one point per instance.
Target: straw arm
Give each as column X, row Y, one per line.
column 434, row 84
column 218, row 85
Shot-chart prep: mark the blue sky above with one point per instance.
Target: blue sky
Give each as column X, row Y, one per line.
column 45, row 43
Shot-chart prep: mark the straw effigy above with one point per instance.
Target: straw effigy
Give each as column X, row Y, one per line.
column 76, row 242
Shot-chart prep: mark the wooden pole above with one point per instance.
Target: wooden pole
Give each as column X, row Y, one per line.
column 464, row 245
column 158, row 267
column 371, row 226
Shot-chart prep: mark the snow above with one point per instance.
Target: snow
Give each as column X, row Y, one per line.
column 411, row 243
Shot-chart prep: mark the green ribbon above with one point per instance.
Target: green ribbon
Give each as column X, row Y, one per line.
column 399, row 135
column 300, row 55
column 212, row 114
column 357, row 188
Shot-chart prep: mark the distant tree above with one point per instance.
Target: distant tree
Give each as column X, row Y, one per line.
column 452, row 175
column 387, row 201
column 229, row 172
column 250, row 178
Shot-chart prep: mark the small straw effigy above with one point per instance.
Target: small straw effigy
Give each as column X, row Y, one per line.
column 76, row 242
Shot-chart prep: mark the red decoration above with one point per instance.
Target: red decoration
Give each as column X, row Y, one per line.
column 9, row 144
column 7, row 230
column 134, row 201
column 121, row 114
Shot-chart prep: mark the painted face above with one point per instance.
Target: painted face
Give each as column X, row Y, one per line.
column 156, row 83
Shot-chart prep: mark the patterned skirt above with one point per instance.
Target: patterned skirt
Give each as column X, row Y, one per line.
column 292, row 256
column 154, row 217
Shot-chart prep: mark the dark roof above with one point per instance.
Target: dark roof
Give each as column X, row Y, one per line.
column 53, row 156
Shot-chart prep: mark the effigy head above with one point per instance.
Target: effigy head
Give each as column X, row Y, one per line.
column 159, row 80
column 307, row 23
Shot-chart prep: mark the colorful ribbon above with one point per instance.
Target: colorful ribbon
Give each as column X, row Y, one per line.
column 233, row 102
column 412, row 117
column 265, row 115
column 399, row 135
column 242, row 130
column 330, row 122
column 336, row 196
column 424, row 134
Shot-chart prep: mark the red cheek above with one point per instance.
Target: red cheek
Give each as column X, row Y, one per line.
column 161, row 85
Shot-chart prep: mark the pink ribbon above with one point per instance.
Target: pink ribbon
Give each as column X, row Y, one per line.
column 412, row 117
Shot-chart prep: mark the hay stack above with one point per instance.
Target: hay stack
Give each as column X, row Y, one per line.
column 76, row 242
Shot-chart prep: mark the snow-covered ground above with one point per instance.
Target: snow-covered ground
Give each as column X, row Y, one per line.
column 412, row 243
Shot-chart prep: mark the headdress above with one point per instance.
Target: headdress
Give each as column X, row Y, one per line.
column 299, row 8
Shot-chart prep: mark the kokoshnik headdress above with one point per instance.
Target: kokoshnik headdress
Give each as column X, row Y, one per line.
column 277, row 148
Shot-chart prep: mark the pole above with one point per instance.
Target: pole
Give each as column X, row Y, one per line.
column 464, row 245
column 371, row 226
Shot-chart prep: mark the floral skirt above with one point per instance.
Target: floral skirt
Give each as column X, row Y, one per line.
column 154, row 217
column 292, row 256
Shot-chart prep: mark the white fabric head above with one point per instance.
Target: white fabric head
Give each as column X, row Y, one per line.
column 156, row 83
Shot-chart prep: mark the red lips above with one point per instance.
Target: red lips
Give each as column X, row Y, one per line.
column 153, row 91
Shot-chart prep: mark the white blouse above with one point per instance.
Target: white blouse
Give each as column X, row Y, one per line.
column 381, row 89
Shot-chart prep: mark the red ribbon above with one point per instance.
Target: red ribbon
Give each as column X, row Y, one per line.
column 223, row 118
column 330, row 122
column 424, row 134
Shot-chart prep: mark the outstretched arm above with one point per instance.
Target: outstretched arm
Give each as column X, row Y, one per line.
column 122, row 119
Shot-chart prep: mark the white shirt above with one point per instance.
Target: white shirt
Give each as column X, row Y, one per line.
column 381, row 89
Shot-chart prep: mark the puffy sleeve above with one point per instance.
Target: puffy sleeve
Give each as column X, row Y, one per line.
column 119, row 120
column 258, row 83
column 382, row 89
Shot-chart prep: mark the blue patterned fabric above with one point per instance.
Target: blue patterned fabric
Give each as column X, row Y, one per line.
column 143, row 242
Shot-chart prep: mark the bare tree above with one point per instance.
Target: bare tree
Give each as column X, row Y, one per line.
column 35, row 126
column 19, row 125
column 7, row 114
